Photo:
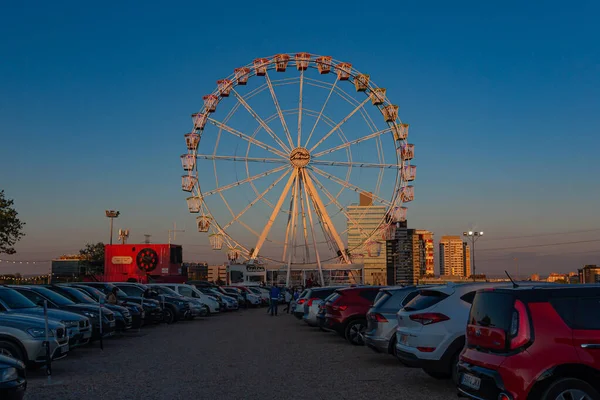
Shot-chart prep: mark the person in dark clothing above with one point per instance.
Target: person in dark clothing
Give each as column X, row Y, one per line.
column 288, row 300
column 274, row 294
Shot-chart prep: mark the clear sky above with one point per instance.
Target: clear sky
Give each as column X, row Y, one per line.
column 503, row 102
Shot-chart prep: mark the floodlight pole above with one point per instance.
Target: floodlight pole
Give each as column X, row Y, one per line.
column 473, row 237
column 112, row 214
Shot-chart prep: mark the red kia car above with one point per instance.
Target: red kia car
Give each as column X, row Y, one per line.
column 533, row 343
column 346, row 312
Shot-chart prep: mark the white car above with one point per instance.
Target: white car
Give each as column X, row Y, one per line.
column 431, row 327
column 191, row 291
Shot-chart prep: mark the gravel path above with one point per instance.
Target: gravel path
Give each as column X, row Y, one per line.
column 243, row 355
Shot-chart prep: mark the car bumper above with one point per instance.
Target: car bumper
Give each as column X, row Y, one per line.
column 377, row 343
column 79, row 336
column 13, row 390
column 489, row 383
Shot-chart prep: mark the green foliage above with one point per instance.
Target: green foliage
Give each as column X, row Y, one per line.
column 11, row 227
column 92, row 255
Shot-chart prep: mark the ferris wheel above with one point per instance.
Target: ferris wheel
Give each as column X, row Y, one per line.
column 282, row 150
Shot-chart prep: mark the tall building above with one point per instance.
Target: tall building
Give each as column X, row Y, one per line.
column 426, row 252
column 466, row 259
column 454, row 256
column 589, row 274
column 363, row 220
column 403, row 256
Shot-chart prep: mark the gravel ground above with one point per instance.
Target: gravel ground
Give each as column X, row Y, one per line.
column 243, row 355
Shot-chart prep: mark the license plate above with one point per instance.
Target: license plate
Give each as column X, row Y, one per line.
column 112, row 323
column 470, row 381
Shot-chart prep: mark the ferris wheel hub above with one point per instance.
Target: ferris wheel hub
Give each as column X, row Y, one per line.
column 299, row 157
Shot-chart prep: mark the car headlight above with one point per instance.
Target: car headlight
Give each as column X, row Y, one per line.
column 70, row 324
column 39, row 332
column 8, row 374
column 91, row 314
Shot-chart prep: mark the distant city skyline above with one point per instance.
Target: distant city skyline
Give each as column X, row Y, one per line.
column 93, row 112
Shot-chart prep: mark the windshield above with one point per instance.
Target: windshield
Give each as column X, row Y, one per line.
column 90, row 291
column 15, row 300
column 52, row 296
column 75, row 295
column 166, row 291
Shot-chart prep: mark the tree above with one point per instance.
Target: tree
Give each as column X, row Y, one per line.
column 92, row 256
column 11, row 227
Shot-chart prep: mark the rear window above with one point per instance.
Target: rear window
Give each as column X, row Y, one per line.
column 369, row 295
column 321, row 294
column 381, row 298
column 409, row 298
column 492, row 310
column 333, row 297
column 304, row 294
column 425, row 299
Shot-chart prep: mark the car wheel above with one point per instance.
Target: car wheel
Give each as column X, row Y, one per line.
column 454, row 368
column 10, row 349
column 355, row 330
column 570, row 388
column 437, row 374
column 168, row 315
column 393, row 350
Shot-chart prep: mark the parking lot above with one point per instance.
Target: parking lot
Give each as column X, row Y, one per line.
column 244, row 354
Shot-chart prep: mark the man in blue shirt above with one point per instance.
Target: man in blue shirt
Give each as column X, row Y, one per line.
column 274, row 300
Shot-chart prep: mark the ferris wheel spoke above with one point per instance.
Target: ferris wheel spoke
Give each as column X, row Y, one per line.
column 321, row 113
column 293, row 230
column 241, row 158
column 247, row 138
column 259, row 119
column 341, row 208
column 249, row 179
column 253, row 202
column 356, row 164
column 304, row 230
column 342, row 122
column 352, row 142
column 350, row 186
column 322, row 213
column 278, row 108
column 300, row 108
column 314, row 239
column 267, row 228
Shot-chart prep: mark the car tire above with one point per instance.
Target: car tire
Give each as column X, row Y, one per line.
column 577, row 387
column 436, row 374
column 454, row 368
column 392, row 349
column 355, row 330
column 12, row 350
column 168, row 315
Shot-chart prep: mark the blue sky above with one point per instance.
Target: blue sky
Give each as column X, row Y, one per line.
column 502, row 100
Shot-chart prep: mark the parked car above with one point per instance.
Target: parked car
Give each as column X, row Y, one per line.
column 263, row 294
column 197, row 308
column 234, row 292
column 347, row 312
column 315, row 297
column 22, row 337
column 252, row 299
column 380, row 335
column 227, row 302
column 136, row 310
column 190, row 291
column 123, row 318
column 322, row 312
column 12, row 379
column 298, row 310
column 431, row 327
column 79, row 327
column 174, row 307
column 37, row 295
column 533, row 343
column 153, row 311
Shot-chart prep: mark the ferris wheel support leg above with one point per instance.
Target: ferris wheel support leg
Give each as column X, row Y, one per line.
column 325, row 217
column 265, row 232
column 292, row 237
column 314, row 240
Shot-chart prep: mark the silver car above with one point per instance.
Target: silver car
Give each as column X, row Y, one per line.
column 314, row 297
column 79, row 328
column 22, row 337
column 380, row 335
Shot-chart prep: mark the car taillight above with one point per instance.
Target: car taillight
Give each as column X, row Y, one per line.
column 301, row 301
column 429, row 318
column 378, row 317
column 339, row 308
column 520, row 330
column 310, row 302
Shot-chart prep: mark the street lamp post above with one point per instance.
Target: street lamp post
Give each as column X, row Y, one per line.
column 112, row 214
column 473, row 236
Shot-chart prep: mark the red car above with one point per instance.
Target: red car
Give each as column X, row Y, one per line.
column 346, row 312
column 533, row 343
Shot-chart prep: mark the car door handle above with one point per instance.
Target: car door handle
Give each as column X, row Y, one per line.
column 590, row 346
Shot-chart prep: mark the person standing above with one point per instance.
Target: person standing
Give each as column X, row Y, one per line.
column 274, row 294
column 288, row 300
column 111, row 297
